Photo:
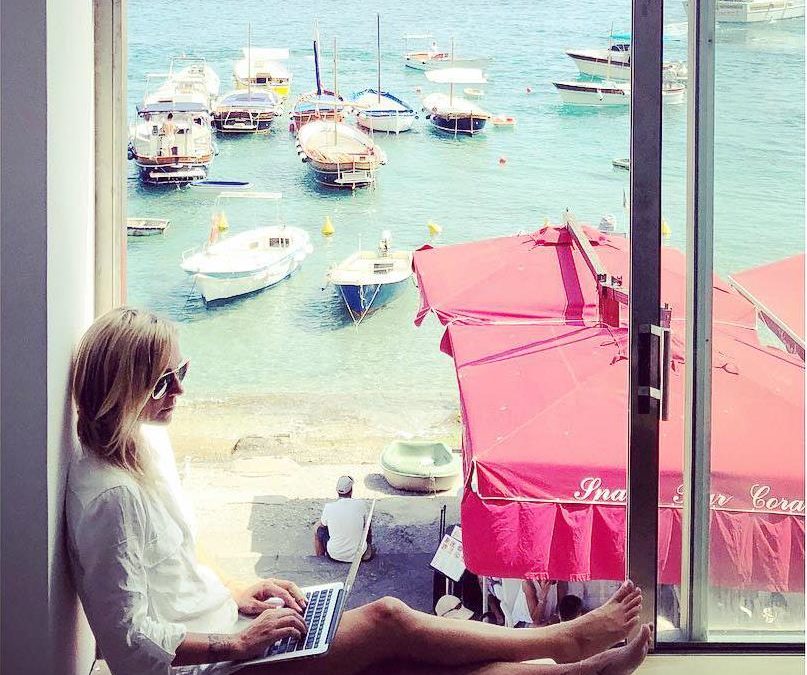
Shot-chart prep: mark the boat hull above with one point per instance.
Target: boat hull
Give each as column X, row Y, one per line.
column 242, row 122
column 468, row 126
column 364, row 299
column 161, row 174
column 392, row 123
column 600, row 67
column 579, row 94
column 334, row 175
column 219, row 288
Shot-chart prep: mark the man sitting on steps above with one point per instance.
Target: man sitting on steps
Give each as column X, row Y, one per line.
column 341, row 526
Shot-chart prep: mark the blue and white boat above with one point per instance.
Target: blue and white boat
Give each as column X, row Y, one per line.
column 381, row 111
column 368, row 280
column 454, row 114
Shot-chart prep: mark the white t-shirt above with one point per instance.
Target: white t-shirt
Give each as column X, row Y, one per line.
column 134, row 564
column 345, row 522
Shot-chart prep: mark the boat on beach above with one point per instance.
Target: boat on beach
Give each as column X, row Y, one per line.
column 756, row 11
column 454, row 114
column 420, row 466
column 368, row 280
column 144, row 227
column 432, row 58
column 380, row 110
column 338, row 154
column 236, row 265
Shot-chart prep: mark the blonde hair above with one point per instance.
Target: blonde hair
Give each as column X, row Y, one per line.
column 119, row 360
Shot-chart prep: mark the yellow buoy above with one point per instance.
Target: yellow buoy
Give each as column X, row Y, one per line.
column 327, row 227
column 434, row 228
column 665, row 228
column 220, row 222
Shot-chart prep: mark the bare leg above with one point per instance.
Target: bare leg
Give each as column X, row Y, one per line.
column 319, row 549
column 363, row 640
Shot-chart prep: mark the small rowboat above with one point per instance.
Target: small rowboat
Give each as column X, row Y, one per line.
column 222, row 185
column 140, row 227
column 420, row 466
column 470, row 92
column 503, row 121
column 621, row 163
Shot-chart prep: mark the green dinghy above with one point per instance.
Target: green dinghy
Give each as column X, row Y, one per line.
column 420, row 466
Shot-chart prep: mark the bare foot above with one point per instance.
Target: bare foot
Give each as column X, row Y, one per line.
column 622, row 660
column 605, row 626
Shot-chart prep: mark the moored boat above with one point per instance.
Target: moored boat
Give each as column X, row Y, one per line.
column 321, row 105
column 246, row 111
column 606, row 93
column 143, row 227
column 613, row 63
column 338, row 154
column 432, row 58
column 240, row 264
column 221, row 185
column 454, row 114
column 261, row 69
column 381, row 111
column 368, row 280
column 755, row 11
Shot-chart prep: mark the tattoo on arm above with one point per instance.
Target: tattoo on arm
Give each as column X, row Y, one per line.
column 219, row 647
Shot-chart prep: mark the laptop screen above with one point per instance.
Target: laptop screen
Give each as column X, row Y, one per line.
column 354, row 566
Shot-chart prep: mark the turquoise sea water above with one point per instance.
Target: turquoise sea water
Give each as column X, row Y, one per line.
column 294, row 337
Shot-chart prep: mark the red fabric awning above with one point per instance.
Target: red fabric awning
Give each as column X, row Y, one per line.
column 545, row 446
column 777, row 290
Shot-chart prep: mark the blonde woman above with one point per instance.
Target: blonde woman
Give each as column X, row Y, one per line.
column 155, row 609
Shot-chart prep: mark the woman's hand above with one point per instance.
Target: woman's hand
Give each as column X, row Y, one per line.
column 253, row 599
column 271, row 626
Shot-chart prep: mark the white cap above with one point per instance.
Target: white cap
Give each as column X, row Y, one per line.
column 344, row 485
column 451, row 607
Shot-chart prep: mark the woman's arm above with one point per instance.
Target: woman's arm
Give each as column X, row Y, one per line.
column 271, row 626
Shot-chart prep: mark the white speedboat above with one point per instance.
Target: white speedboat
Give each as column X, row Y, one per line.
column 235, row 265
column 338, row 154
column 368, row 280
column 608, row 93
column 262, row 69
column 246, row 111
column 433, row 58
column 188, row 80
column 754, row 11
column 613, row 63
column 454, row 114
column 172, row 142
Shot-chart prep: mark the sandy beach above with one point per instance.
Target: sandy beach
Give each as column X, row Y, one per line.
column 258, row 472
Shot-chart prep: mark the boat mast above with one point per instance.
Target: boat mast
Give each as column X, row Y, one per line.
column 316, row 57
column 451, row 85
column 378, row 51
column 336, row 96
column 249, row 61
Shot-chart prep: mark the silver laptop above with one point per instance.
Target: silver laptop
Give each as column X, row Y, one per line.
column 326, row 603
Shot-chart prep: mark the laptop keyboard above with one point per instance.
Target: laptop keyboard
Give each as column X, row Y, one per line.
column 315, row 614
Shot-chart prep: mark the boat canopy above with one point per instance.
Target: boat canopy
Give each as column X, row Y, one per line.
column 456, row 76
column 172, row 107
column 256, row 96
column 265, row 54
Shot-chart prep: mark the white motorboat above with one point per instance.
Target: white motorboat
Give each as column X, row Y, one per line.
column 172, row 142
column 231, row 266
column 613, row 63
column 454, row 114
column 368, row 280
column 338, row 154
column 432, row 58
column 607, row 93
column 144, row 227
column 246, row 111
column 261, row 68
column 188, row 80
column 379, row 110
column 754, row 11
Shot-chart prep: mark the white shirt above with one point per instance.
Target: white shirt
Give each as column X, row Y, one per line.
column 134, row 565
column 345, row 521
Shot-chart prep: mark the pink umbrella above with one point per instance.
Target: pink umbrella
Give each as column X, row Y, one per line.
column 545, row 447
column 777, row 291
column 543, row 276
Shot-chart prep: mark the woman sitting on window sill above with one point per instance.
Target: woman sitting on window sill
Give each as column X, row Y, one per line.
column 155, row 609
